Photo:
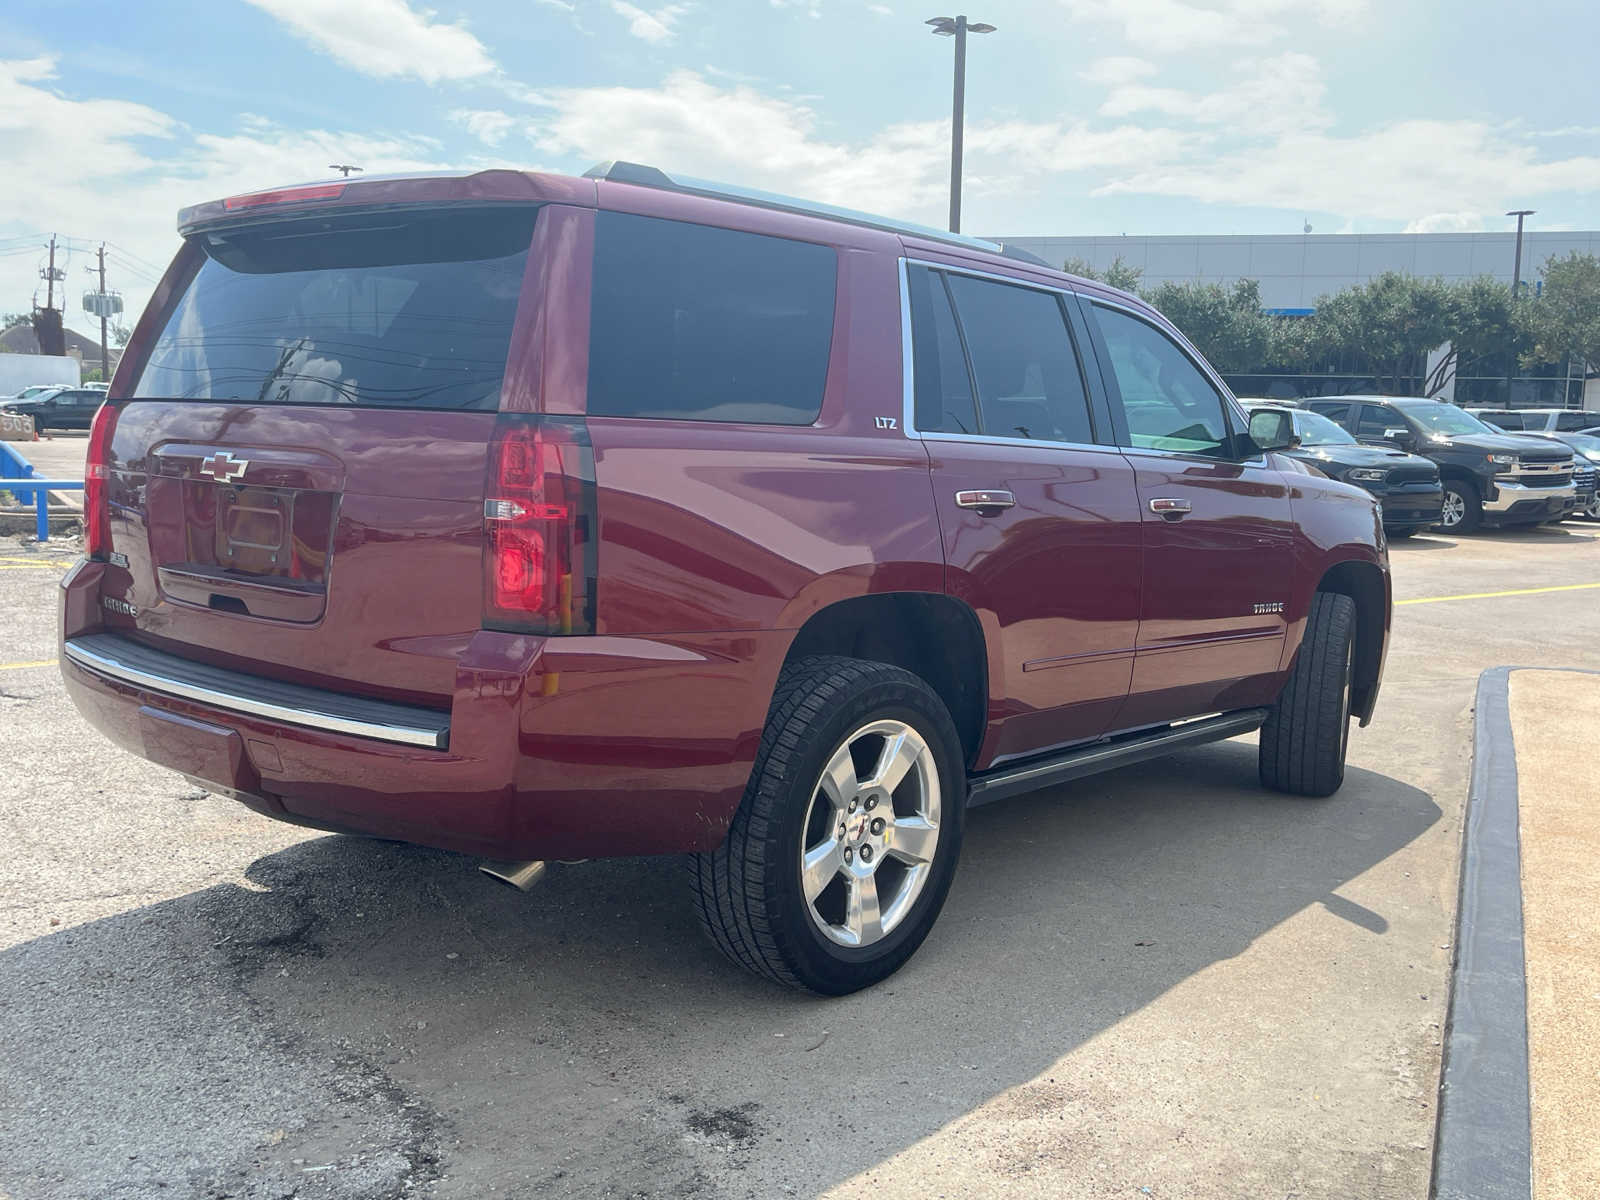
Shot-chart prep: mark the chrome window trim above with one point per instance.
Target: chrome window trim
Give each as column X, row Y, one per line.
column 908, row 419
column 93, row 653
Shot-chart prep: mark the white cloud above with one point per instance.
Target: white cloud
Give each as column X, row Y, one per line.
column 488, row 125
column 1448, row 222
column 689, row 124
column 883, row 10
column 385, row 38
column 153, row 166
column 654, row 27
column 1118, row 69
column 1283, row 93
column 1391, row 173
column 1174, row 26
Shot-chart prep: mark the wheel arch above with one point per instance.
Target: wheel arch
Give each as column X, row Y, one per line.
column 1367, row 585
column 934, row 636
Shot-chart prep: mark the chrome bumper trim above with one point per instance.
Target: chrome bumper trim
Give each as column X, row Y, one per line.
column 1510, row 493
column 291, row 704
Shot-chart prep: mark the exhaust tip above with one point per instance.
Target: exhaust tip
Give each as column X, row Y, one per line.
column 520, row 875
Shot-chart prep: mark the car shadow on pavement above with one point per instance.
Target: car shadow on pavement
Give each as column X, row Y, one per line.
column 1567, row 531
column 365, row 1016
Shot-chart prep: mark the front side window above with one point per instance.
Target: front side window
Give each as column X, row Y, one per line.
column 697, row 323
column 1571, row 422
column 1314, row 429
column 1505, row 420
column 1168, row 403
column 1023, row 359
column 391, row 309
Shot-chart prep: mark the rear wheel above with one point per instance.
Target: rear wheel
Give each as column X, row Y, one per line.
column 1395, row 535
column 1304, row 740
column 840, row 856
column 1463, row 507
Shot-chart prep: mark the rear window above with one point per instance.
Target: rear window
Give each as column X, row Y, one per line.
column 389, row 310
column 692, row 322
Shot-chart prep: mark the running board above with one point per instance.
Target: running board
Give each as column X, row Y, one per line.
column 1106, row 756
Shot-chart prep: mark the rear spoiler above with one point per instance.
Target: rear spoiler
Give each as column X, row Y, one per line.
column 388, row 191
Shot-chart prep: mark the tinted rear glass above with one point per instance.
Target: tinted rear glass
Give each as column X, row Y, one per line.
column 393, row 310
column 698, row 323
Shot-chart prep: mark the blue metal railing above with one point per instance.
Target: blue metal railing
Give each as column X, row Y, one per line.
column 18, row 478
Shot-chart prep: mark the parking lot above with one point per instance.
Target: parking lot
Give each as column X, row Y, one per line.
column 1159, row 982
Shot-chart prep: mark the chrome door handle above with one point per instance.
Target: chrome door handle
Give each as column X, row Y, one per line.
column 986, row 500
column 1167, row 507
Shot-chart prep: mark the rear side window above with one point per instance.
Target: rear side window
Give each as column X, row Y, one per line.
column 943, row 386
column 388, row 310
column 1029, row 382
column 692, row 322
column 1338, row 411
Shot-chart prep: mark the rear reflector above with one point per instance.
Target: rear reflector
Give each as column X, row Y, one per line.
column 538, row 523
column 96, row 483
column 294, row 195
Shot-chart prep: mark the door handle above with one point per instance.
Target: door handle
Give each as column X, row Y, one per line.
column 988, row 501
column 1171, row 509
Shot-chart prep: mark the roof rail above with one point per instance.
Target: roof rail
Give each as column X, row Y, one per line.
column 641, row 175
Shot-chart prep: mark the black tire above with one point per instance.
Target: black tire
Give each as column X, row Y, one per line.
column 1395, row 535
column 749, row 892
column 1471, row 507
column 1304, row 739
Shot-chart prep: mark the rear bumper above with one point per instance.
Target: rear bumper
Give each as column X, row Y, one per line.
column 551, row 748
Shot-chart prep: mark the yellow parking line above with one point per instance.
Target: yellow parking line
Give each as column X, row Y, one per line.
column 27, row 566
column 20, row 666
column 1564, row 587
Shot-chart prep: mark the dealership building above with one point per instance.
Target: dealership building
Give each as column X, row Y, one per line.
column 1294, row 271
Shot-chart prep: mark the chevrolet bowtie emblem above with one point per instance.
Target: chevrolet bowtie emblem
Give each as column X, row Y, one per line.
column 224, row 466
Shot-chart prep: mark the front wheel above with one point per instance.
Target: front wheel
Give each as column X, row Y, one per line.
column 842, row 852
column 1463, row 508
column 1305, row 737
column 1591, row 507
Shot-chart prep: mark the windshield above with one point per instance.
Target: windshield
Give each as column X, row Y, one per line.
column 1314, row 429
column 1446, row 418
column 409, row 309
column 1584, row 444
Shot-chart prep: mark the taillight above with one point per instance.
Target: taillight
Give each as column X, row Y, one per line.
column 538, row 525
column 96, row 483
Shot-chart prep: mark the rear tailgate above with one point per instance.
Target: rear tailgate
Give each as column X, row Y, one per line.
column 297, row 483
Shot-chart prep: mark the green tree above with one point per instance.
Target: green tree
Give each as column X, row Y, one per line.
column 1390, row 323
column 1118, row 275
column 1225, row 324
column 1565, row 320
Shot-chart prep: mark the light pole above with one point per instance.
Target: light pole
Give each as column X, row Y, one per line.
column 958, row 28
column 1516, row 269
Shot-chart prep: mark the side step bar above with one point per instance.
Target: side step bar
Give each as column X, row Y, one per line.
column 1106, row 756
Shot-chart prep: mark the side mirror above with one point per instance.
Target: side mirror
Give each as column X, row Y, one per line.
column 1400, row 436
column 1272, row 429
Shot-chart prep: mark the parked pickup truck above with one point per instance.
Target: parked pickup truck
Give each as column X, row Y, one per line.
column 543, row 517
column 1490, row 477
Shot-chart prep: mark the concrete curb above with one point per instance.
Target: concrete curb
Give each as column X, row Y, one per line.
column 1483, row 1149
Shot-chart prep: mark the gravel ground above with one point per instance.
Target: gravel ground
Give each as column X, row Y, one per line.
column 1158, row 983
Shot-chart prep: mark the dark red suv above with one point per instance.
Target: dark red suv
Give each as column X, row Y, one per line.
column 537, row 517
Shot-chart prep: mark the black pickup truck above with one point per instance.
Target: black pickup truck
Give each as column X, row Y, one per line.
column 1489, row 477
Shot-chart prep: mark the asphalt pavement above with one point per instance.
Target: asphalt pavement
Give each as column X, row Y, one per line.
column 1161, row 982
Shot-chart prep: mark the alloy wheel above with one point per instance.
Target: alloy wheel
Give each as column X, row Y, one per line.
column 1455, row 509
column 870, row 833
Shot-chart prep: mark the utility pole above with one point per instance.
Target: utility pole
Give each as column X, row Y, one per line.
column 105, row 357
column 1516, row 287
column 50, row 277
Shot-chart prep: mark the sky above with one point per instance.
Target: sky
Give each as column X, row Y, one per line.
column 1083, row 116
